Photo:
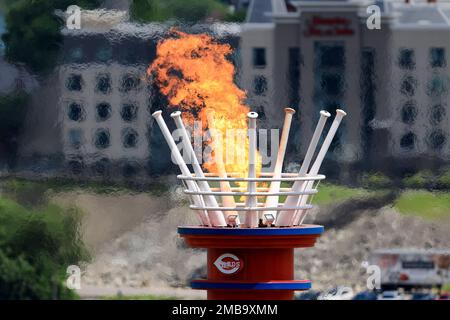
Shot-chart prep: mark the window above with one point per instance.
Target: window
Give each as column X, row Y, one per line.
column 437, row 114
column 75, row 138
column 76, row 166
column 128, row 112
column 436, row 86
column 407, row 141
column 104, row 54
column 437, row 57
column 260, row 85
column 103, row 111
column 409, row 112
column 294, row 77
column 436, row 140
column 259, row 57
column 74, row 82
column 129, row 138
column 101, row 167
column 130, row 169
column 75, row 112
column 102, row 139
column 406, row 59
column 130, row 82
column 331, row 56
column 261, row 113
column 75, row 55
column 408, row 86
column 103, row 83
column 331, row 83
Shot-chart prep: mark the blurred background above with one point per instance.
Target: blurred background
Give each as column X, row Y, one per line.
column 86, row 178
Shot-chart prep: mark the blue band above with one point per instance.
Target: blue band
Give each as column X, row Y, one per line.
column 290, row 231
column 288, row 285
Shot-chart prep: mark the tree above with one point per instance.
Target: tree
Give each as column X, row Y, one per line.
column 185, row 11
column 33, row 34
column 12, row 115
column 36, row 247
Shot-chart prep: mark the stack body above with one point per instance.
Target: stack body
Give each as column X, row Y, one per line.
column 250, row 263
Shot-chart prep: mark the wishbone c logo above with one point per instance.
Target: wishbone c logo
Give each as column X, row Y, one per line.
column 228, row 263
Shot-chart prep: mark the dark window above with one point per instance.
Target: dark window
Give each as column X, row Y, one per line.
column 437, row 114
column 437, row 57
column 130, row 82
column 101, row 167
column 260, row 85
column 436, row 87
column 331, row 56
column 76, row 166
column 129, row 112
column 261, row 113
column 75, row 112
column 436, row 140
column 75, row 55
column 129, row 138
column 103, row 111
column 409, row 112
column 408, row 86
column 294, row 77
column 331, row 83
column 130, row 169
column 408, row 141
column 74, row 82
column 75, row 138
column 102, row 139
column 406, row 59
column 104, row 54
column 259, row 57
column 104, row 83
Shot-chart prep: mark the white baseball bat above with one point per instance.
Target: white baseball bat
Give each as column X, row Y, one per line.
column 216, row 144
column 216, row 217
column 198, row 201
column 251, row 217
column 284, row 218
column 272, row 201
column 340, row 114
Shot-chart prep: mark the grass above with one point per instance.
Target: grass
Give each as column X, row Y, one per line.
column 140, row 297
column 425, row 204
column 329, row 193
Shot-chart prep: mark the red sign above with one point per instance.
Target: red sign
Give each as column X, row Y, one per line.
column 328, row 26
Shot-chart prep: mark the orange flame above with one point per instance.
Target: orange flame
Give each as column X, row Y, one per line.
column 193, row 72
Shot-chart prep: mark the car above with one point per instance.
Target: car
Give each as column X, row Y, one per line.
column 337, row 293
column 391, row 295
column 308, row 295
column 423, row 296
column 366, row 295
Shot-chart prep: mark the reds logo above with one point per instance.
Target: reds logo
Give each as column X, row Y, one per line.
column 228, row 263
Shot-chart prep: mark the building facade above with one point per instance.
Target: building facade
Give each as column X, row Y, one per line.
column 393, row 81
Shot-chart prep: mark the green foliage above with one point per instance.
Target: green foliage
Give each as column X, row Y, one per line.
column 36, row 247
column 420, row 180
column 443, row 181
column 425, row 204
column 12, row 115
column 238, row 16
column 162, row 10
column 376, row 181
column 33, row 34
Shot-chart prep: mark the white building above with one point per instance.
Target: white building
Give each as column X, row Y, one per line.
column 393, row 81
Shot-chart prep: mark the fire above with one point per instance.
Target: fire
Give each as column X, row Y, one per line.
column 193, row 72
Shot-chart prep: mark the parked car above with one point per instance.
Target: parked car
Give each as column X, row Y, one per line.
column 391, row 295
column 423, row 296
column 337, row 293
column 366, row 295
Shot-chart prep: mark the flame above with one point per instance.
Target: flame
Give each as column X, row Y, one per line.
column 193, row 72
